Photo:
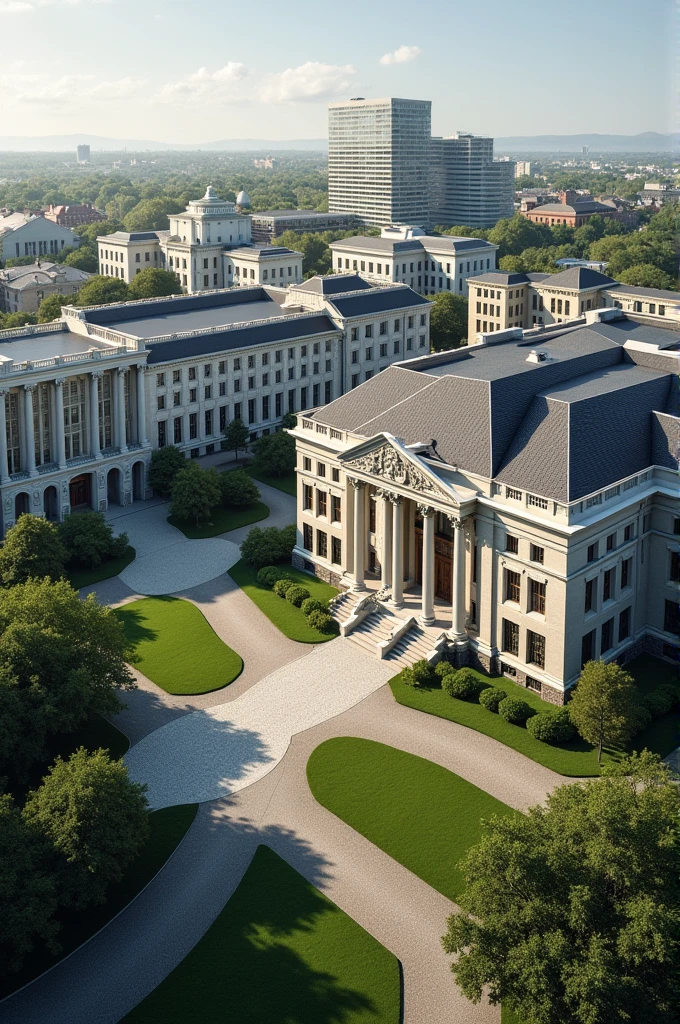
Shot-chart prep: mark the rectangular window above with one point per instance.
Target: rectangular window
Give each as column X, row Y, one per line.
column 607, row 636
column 307, row 464
column 207, row 391
column 588, row 647
column 321, row 469
column 510, row 637
column 537, row 596
column 512, row 544
column 611, row 542
column 307, row 495
column 251, row 410
column 336, row 508
column 265, row 407
column 512, row 586
column 609, row 584
column 535, row 649
column 278, row 403
column 592, row 552
column 671, row 618
column 536, row 553
column 626, row 572
column 223, row 418
column 193, row 426
column 176, row 376
column 624, row 625
column 160, row 380
column 208, row 422
column 207, row 370
column 223, row 388
column 591, row 595
column 192, row 394
column 368, row 331
column 328, row 391
column 675, row 567
column 307, row 537
column 192, row 373
column 321, row 503
column 162, row 437
column 321, row 544
column 336, row 550
column 177, row 430
column 628, row 533
column 161, row 402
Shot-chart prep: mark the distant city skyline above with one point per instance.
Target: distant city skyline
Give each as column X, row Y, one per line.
column 163, row 71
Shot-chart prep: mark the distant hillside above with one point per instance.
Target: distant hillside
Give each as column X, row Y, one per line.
column 647, row 142
column 66, row 143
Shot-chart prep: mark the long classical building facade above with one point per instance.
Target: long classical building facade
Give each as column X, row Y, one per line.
column 515, row 503
column 87, row 398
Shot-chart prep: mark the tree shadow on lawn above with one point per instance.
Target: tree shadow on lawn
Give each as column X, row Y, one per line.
column 266, row 957
column 134, row 623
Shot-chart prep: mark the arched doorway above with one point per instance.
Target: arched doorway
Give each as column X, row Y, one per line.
column 138, row 488
column 114, row 483
column 21, row 504
column 50, row 504
column 80, row 492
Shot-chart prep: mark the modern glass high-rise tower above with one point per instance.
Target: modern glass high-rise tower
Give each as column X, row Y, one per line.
column 378, row 156
column 467, row 185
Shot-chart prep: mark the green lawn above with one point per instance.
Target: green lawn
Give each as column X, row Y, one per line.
column 280, row 952
column 222, row 520
column 176, row 647
column 287, row 483
column 285, row 616
column 576, row 758
column 105, row 570
column 168, row 828
column 416, row 811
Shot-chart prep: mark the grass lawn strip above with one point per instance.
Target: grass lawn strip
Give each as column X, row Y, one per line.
column 577, row 758
column 279, row 952
column 286, row 483
column 222, row 520
column 419, row 813
column 176, row 647
column 105, row 570
column 285, row 616
column 168, row 828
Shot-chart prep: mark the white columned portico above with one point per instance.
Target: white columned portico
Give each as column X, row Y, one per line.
column 386, row 553
column 120, row 409
column 4, row 468
column 398, row 551
column 141, row 407
column 427, row 614
column 359, row 532
column 458, row 633
column 29, row 430
column 59, row 417
column 95, row 446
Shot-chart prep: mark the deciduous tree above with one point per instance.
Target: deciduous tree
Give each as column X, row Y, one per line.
column 101, row 290
column 195, row 492
column 50, row 307
column 165, row 465
column 603, row 706
column 32, row 548
column 152, row 283
column 275, row 454
column 236, row 436
column 448, row 321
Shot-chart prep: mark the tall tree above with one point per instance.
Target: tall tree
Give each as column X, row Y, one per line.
column 448, row 321
column 646, row 275
column 95, row 818
column 571, row 913
column 32, row 548
column 603, row 706
column 275, row 453
column 165, row 465
column 84, row 258
column 50, row 307
column 195, row 493
column 100, row 290
column 152, row 283
column 236, row 436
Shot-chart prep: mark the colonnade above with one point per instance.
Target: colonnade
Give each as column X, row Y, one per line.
column 392, row 562
column 58, row 436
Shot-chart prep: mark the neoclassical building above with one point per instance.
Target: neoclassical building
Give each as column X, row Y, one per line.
column 87, row 398
column 516, row 503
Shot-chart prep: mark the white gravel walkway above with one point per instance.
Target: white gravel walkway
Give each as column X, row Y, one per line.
column 170, row 562
column 222, row 749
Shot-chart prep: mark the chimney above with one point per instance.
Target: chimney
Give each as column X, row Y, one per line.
column 568, row 197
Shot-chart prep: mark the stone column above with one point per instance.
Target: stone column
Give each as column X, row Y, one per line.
column 458, row 583
column 386, row 553
column 141, row 406
column 59, row 417
column 427, row 614
column 4, row 468
column 398, row 552
column 95, row 446
column 120, row 409
column 29, row 430
column 359, row 532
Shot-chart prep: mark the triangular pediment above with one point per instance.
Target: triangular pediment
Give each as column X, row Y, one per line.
column 392, row 464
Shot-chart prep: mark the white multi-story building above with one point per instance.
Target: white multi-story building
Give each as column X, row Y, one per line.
column 513, row 506
column 378, row 154
column 467, row 185
column 427, row 263
column 30, row 235
column 86, row 399
column 22, row 289
column 207, row 247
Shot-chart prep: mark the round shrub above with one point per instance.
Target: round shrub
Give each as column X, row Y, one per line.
column 443, row 669
column 490, row 698
column 551, row 726
column 514, row 710
column 424, row 673
column 643, row 717
column 322, row 621
column 462, row 684
column 282, row 586
column 312, row 604
column 296, row 595
column 270, row 575
column 658, row 702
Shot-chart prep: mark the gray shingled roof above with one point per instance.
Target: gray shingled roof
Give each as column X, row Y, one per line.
column 334, row 284
column 589, row 206
column 379, row 300
column 577, row 278
column 646, row 293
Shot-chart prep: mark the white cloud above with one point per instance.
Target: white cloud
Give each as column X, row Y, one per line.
column 310, row 81
column 402, row 55
column 76, row 89
column 204, row 86
column 25, row 6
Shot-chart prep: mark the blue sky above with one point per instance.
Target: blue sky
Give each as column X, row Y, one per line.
column 180, row 72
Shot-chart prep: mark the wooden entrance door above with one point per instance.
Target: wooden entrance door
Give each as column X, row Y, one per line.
column 443, row 557
column 79, row 491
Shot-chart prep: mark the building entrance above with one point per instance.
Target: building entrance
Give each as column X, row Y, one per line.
column 443, row 561
column 80, row 492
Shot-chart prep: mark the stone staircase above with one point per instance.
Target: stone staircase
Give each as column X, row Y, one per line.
column 372, row 630
column 341, row 606
column 411, row 647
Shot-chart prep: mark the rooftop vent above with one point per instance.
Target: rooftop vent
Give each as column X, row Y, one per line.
column 537, row 355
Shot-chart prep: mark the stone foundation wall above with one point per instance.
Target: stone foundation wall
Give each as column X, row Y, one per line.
column 320, row 571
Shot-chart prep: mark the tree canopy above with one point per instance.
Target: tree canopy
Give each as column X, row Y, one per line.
column 603, row 706
column 150, row 283
column 275, row 454
column 448, row 321
column 165, row 465
column 236, row 436
column 571, row 913
column 32, row 548
column 195, row 492
column 50, row 307
column 99, row 290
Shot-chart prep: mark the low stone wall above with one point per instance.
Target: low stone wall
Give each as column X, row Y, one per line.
column 320, row 571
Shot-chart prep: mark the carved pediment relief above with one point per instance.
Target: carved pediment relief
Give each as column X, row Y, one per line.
column 387, row 464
